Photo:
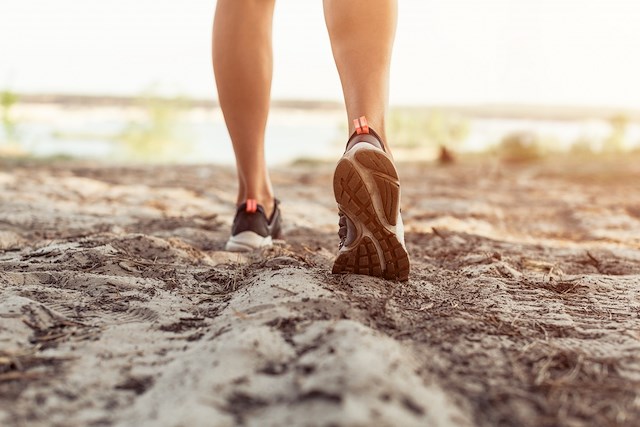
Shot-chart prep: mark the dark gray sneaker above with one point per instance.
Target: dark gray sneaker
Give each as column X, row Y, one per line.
column 252, row 229
column 367, row 190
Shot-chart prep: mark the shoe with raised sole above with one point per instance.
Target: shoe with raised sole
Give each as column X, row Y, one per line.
column 252, row 229
column 367, row 190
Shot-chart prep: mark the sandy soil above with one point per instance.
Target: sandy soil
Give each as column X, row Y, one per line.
column 119, row 307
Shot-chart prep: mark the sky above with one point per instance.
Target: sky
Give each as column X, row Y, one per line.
column 552, row 52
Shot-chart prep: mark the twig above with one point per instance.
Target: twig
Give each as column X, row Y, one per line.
column 17, row 375
column 285, row 289
column 437, row 233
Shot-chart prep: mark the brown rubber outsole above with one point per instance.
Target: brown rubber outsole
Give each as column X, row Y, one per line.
column 367, row 190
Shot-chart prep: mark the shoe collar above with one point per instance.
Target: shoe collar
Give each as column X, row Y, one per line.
column 252, row 206
column 364, row 133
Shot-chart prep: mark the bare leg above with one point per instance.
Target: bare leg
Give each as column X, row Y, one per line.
column 243, row 64
column 362, row 34
column 365, row 182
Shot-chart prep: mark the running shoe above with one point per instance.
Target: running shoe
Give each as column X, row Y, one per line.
column 252, row 229
column 367, row 190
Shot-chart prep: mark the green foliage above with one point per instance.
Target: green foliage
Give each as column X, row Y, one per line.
column 615, row 143
column 8, row 100
column 415, row 129
column 521, row 147
column 156, row 138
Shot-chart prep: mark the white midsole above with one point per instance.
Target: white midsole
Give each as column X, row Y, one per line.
column 247, row 241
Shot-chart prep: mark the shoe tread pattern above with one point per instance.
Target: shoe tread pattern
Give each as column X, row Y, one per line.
column 355, row 201
column 386, row 178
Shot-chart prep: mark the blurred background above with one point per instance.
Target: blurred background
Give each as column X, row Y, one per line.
column 126, row 81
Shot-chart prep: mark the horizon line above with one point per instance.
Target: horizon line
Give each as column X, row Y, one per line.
column 475, row 110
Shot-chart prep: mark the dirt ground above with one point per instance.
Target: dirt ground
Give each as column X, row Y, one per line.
column 118, row 306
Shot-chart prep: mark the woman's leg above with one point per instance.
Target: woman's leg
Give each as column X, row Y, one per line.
column 242, row 62
column 365, row 181
column 362, row 34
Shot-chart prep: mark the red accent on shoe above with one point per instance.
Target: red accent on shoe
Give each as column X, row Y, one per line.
column 361, row 125
column 252, row 205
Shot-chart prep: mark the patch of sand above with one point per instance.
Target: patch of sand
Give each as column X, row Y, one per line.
column 119, row 307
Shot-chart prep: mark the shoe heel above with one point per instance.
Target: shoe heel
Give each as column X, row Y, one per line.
column 376, row 250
